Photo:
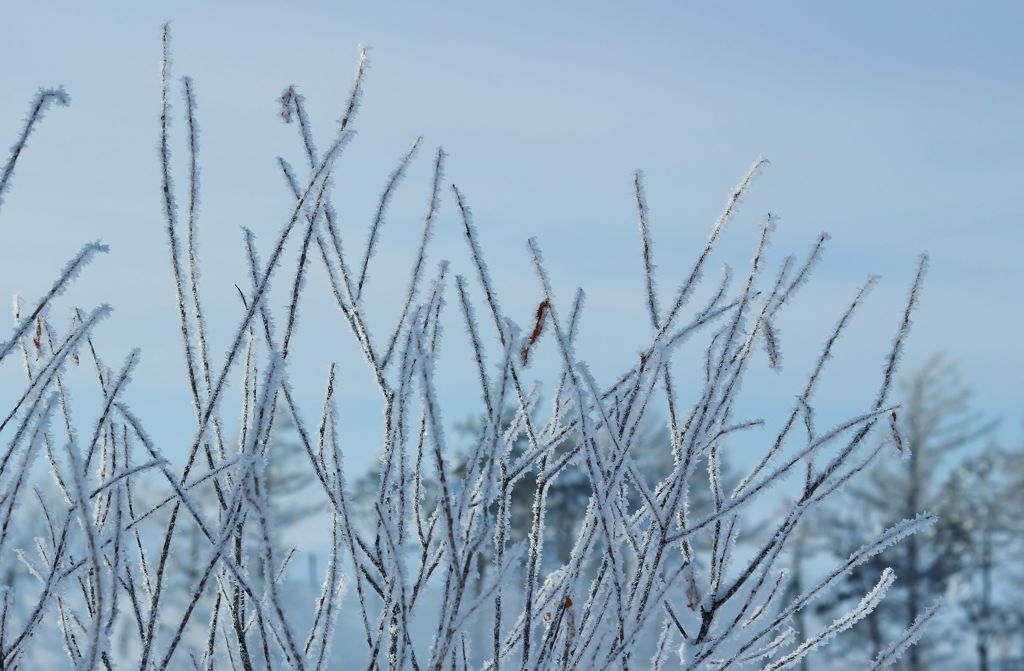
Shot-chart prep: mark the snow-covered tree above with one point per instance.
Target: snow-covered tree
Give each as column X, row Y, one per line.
column 985, row 514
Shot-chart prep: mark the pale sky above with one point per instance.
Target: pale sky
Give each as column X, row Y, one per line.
column 896, row 127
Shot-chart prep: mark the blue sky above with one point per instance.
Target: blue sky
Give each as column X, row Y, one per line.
column 893, row 126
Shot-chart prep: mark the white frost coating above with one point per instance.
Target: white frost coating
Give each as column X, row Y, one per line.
column 911, row 636
column 385, row 199
column 862, row 610
column 37, row 108
column 67, row 276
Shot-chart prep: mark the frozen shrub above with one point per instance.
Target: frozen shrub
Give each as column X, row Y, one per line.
column 101, row 559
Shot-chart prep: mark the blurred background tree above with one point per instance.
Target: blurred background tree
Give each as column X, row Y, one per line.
column 943, row 471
